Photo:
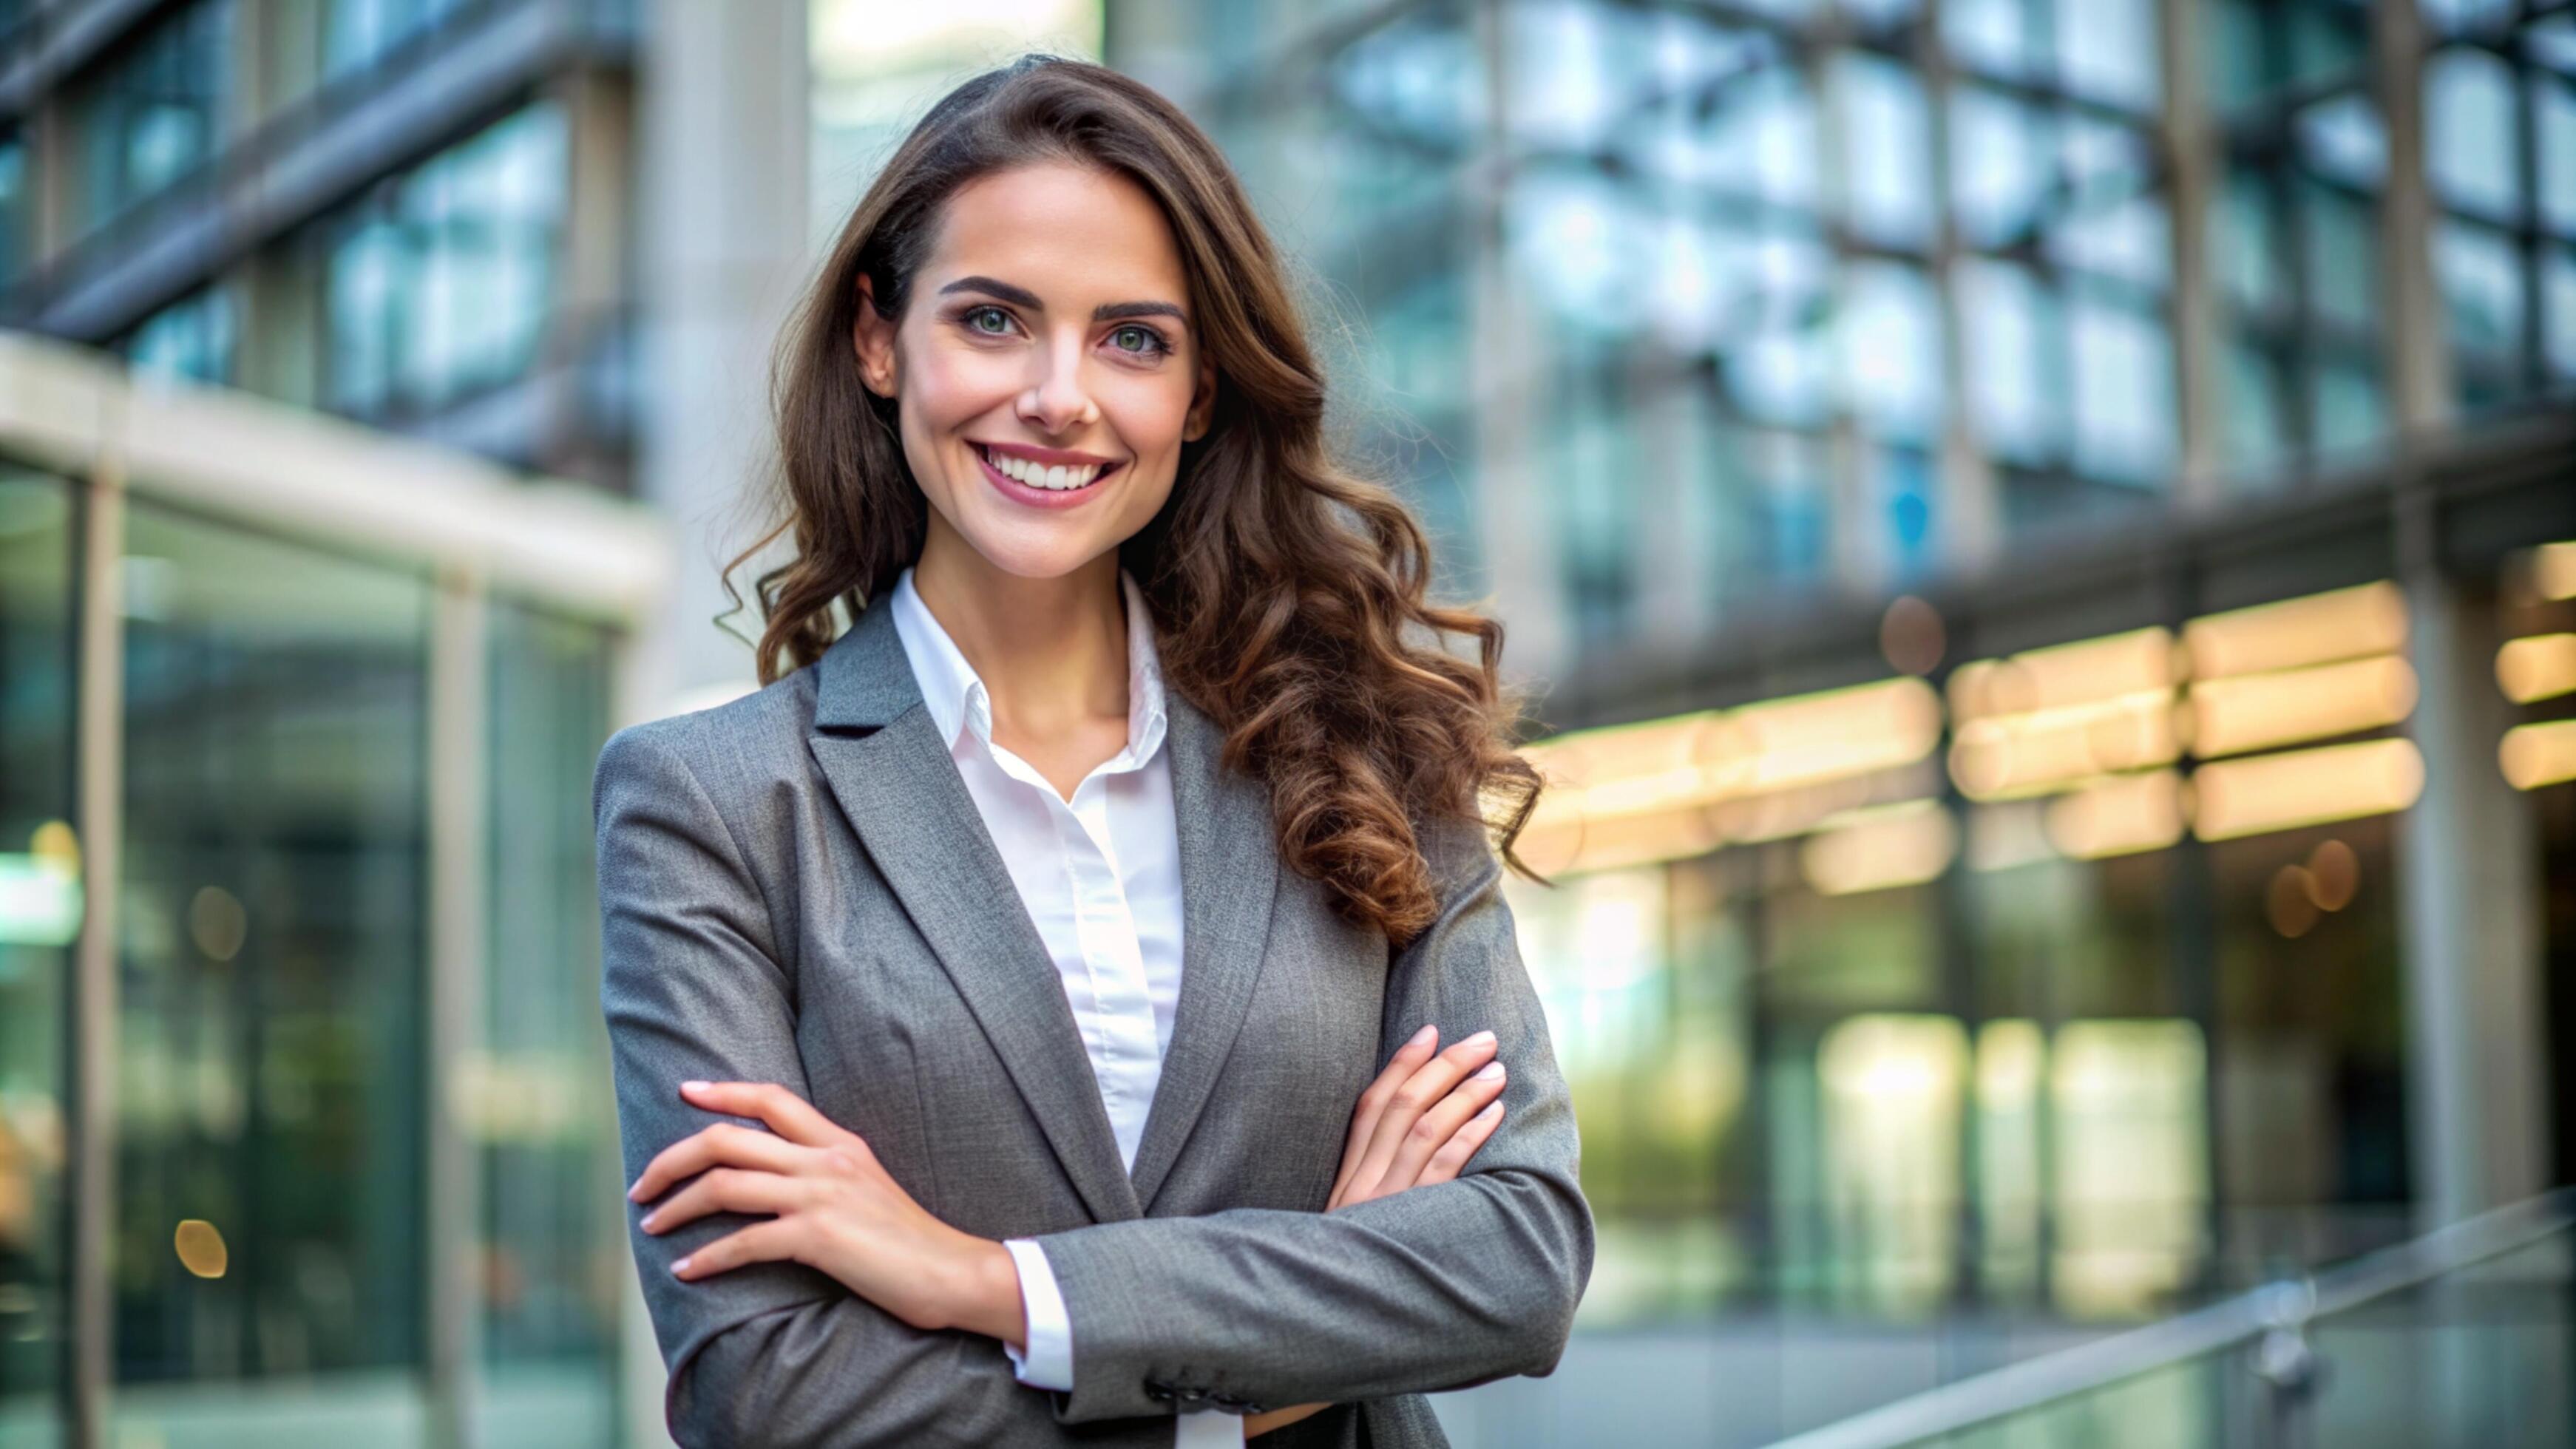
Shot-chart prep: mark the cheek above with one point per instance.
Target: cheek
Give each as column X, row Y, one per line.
column 952, row 388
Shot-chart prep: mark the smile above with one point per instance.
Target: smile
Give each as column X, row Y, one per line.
column 1041, row 485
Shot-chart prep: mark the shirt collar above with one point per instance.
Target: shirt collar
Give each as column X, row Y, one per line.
column 958, row 701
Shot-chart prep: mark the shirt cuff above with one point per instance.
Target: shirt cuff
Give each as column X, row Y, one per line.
column 1208, row 1429
column 1047, row 1362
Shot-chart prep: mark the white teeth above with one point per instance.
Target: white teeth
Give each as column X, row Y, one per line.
column 1057, row 479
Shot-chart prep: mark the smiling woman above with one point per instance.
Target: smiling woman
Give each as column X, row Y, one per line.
column 1029, row 1006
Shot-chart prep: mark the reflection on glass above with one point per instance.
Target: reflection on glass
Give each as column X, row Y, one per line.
column 38, row 881
column 537, row 1084
column 16, row 203
column 270, row 1080
column 2131, row 1184
column 437, row 285
column 1642, row 975
column 192, row 338
column 155, row 113
column 358, row 33
column 1890, row 1089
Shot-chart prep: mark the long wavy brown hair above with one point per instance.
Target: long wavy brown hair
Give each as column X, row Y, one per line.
column 1287, row 593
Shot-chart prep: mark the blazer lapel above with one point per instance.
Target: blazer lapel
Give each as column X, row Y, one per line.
column 894, row 778
column 1229, row 873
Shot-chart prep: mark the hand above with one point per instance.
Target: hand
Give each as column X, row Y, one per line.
column 836, row 1209
column 1422, row 1118
column 1417, row 1124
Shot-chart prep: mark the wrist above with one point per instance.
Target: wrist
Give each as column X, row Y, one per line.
column 986, row 1298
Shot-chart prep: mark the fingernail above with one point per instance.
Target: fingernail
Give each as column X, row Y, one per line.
column 1492, row 1070
column 647, row 1224
column 1493, row 1108
column 694, row 1086
column 679, row 1267
column 1424, row 1035
column 1479, row 1039
column 635, row 1190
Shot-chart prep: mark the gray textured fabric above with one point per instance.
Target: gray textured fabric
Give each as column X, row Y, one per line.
column 796, row 888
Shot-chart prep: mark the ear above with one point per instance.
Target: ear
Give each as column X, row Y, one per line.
column 1202, row 402
column 872, row 339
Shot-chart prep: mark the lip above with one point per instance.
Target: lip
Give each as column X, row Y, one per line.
column 1021, row 493
column 1050, row 457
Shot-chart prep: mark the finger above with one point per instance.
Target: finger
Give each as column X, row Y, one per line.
column 788, row 1115
column 1437, row 1125
column 1429, row 1083
column 723, row 1145
column 1403, row 1064
column 1451, row 1159
column 776, row 1241
column 726, row 1190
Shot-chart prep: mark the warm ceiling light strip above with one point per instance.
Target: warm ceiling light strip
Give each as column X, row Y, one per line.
column 2305, row 787
column 2317, row 629
column 2004, row 756
column 2119, row 815
column 2284, row 707
column 2553, row 570
column 2537, row 668
column 2065, row 675
column 1877, row 849
column 1694, row 760
column 2534, row 755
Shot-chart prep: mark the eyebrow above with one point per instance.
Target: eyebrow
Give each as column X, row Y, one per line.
column 1105, row 312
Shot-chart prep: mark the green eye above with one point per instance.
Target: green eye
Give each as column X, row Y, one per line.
column 1153, row 344
column 985, row 312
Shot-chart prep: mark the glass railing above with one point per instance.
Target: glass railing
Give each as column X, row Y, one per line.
column 2462, row 1336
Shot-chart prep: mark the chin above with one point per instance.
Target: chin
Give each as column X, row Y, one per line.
column 1040, row 558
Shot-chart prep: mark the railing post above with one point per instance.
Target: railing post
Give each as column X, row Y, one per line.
column 2287, row 1364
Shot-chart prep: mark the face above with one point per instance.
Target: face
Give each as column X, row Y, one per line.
column 1044, row 369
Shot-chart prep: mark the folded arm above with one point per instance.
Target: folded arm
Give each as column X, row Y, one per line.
column 1439, row 1287
column 770, row 1353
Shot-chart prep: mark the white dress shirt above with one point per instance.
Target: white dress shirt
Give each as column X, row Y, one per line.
column 1101, row 877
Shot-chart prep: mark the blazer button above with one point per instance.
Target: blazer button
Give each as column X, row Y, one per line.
column 1192, row 1396
column 1158, row 1391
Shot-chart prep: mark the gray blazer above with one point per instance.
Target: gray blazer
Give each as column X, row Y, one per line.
column 796, row 888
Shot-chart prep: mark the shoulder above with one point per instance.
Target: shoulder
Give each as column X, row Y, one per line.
column 723, row 751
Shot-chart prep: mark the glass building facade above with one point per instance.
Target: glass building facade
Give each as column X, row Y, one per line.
column 414, row 213
column 2018, row 508
column 325, row 1016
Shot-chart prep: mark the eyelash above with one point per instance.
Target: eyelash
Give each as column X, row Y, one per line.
column 1162, row 345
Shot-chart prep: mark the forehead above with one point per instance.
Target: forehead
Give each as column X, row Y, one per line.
column 1064, row 232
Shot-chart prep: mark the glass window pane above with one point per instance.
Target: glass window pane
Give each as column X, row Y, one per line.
column 2558, row 312
column 270, row 1167
column 155, row 112
column 1890, row 336
column 190, row 338
column 2123, row 376
column 1886, row 166
column 2472, row 150
column 2482, row 297
column 438, row 287
column 40, row 904
column 2554, row 100
column 542, row 1116
column 2012, row 329
column 16, row 204
column 2106, row 50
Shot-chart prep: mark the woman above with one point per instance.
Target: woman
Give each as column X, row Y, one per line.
column 990, row 992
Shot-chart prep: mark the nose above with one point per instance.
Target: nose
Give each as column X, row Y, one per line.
column 1057, row 400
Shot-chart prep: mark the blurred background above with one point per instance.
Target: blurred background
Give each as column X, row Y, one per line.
column 2042, row 534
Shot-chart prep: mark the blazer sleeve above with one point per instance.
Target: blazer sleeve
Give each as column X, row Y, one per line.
column 770, row 1353
column 1439, row 1287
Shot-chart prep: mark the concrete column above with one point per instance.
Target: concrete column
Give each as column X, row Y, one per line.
column 724, row 253
column 2469, row 896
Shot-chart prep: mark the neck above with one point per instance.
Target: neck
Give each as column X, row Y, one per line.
column 1051, row 651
